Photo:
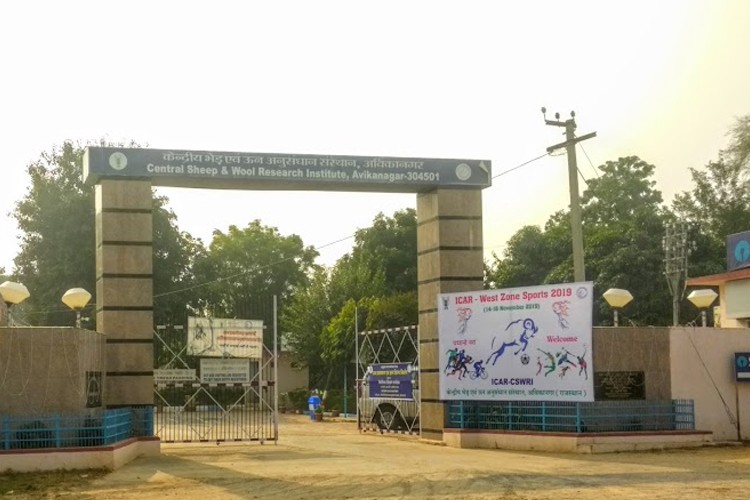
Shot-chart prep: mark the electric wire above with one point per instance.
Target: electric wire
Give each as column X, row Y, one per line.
column 236, row 275
column 580, row 145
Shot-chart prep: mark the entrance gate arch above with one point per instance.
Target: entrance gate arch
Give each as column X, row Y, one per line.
column 449, row 240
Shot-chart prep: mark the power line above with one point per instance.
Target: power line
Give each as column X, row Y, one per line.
column 580, row 145
column 521, row 165
column 218, row 280
column 236, row 275
column 326, row 245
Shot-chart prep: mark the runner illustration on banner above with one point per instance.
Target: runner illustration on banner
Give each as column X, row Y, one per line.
column 526, row 343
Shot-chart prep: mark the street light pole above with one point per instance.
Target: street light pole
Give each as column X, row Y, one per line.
column 76, row 299
column 617, row 298
column 12, row 294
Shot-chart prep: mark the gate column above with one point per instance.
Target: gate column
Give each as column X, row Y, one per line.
column 449, row 259
column 124, row 289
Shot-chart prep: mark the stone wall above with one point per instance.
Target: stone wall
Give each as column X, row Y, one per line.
column 47, row 370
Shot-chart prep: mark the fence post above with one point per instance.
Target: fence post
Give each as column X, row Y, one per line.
column 544, row 416
column 6, row 433
column 56, row 420
column 578, row 417
column 149, row 421
column 510, row 416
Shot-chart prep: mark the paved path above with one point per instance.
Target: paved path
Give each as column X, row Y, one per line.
column 331, row 460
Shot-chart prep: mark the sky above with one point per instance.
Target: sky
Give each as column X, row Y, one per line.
column 430, row 79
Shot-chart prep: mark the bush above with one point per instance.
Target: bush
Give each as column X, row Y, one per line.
column 335, row 400
column 298, row 399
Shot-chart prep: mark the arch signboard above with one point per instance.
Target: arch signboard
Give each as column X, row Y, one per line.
column 220, row 169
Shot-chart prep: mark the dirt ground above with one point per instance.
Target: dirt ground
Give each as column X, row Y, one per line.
column 331, row 460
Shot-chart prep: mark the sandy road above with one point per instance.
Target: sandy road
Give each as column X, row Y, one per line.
column 333, row 460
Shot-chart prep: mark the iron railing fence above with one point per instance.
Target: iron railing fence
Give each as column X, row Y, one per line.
column 553, row 416
column 95, row 428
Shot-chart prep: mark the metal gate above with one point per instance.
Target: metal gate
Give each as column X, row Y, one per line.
column 190, row 408
column 391, row 347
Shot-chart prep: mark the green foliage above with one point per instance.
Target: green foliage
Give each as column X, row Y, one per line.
column 337, row 338
column 717, row 206
column 394, row 310
column 58, row 246
column 245, row 268
column 298, row 399
column 56, row 217
column 334, row 399
column 390, row 246
column 378, row 279
column 175, row 252
column 302, row 321
column 622, row 224
column 623, row 221
column 250, row 262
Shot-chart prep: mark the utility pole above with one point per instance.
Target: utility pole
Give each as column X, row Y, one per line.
column 677, row 248
column 576, row 226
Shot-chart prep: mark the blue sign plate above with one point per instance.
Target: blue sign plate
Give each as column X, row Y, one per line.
column 742, row 366
column 392, row 380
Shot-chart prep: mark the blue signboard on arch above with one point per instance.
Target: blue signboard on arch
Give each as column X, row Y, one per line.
column 308, row 172
column 742, row 366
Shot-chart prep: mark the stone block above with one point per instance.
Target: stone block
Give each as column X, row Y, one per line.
column 126, row 324
column 429, row 384
column 458, row 233
column 124, row 259
column 429, row 356
column 126, row 227
column 432, row 418
column 124, row 292
column 451, row 263
column 122, row 194
column 441, row 202
column 129, row 390
column 130, row 357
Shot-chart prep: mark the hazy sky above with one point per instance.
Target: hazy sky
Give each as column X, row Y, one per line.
column 663, row 80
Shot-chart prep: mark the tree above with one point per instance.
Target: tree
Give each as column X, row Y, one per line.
column 175, row 253
column 303, row 319
column 57, row 220
column 389, row 246
column 737, row 153
column 381, row 264
column 717, row 206
column 622, row 225
column 719, row 203
column 527, row 260
column 245, row 268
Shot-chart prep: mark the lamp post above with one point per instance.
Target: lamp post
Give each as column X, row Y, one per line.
column 617, row 298
column 13, row 293
column 76, row 299
column 702, row 299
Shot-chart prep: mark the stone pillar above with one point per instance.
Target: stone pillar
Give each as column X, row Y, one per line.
column 449, row 259
column 124, row 289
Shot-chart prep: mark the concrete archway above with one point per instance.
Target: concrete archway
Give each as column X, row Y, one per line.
column 449, row 239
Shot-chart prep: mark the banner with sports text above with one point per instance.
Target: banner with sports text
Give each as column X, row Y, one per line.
column 522, row 344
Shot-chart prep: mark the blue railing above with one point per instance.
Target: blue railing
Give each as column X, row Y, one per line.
column 97, row 428
column 552, row 416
